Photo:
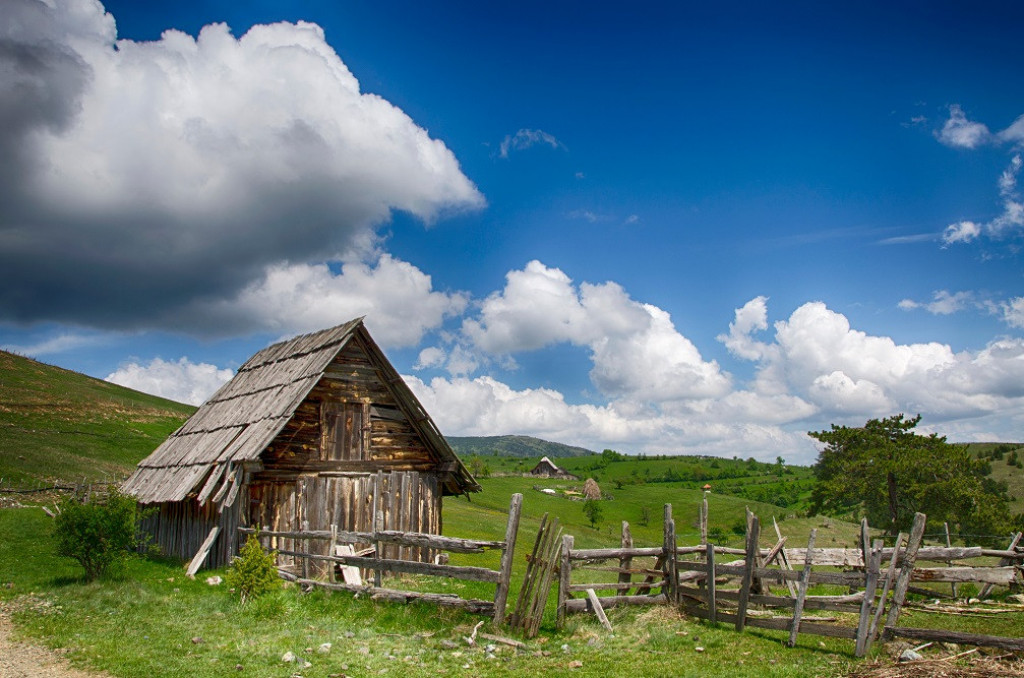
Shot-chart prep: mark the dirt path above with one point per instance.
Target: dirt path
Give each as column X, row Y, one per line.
column 23, row 660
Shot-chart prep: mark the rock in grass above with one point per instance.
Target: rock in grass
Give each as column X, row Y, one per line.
column 288, row 657
column 325, row 648
column 910, row 656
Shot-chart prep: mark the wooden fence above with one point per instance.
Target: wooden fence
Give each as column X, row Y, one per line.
column 734, row 586
column 340, row 554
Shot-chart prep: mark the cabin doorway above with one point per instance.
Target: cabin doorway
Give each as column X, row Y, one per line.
column 346, row 431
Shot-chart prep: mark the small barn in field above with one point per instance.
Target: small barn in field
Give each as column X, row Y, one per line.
column 546, row 468
column 302, row 437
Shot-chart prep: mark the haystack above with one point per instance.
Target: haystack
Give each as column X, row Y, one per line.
column 591, row 490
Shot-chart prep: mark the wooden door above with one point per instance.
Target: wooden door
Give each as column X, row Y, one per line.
column 345, row 428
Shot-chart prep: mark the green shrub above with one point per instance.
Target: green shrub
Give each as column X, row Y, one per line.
column 254, row 571
column 99, row 535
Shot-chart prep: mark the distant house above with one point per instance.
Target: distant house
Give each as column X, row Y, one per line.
column 311, row 432
column 546, row 468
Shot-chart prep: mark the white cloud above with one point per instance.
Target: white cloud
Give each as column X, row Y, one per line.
column 943, row 303
column 60, row 343
column 960, row 132
column 181, row 380
column 397, row 298
column 962, row 231
column 1013, row 312
column 527, row 138
column 189, row 165
column 635, row 347
column 485, row 406
column 430, row 357
column 752, row 317
column 1014, row 134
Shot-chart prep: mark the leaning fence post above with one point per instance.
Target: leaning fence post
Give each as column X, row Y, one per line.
column 873, row 563
column 899, row 593
column 753, row 534
column 564, row 578
column 987, row 589
column 501, row 592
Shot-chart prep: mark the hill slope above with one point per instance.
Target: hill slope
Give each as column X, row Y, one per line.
column 512, row 446
column 56, row 424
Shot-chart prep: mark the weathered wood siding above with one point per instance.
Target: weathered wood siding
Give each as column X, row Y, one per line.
column 180, row 527
column 409, row 502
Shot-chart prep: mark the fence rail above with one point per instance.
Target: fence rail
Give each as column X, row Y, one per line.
column 731, row 585
column 339, row 538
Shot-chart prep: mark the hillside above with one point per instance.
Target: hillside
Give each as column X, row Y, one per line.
column 512, row 446
column 56, row 424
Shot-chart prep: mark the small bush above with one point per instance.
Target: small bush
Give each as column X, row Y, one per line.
column 254, row 571
column 99, row 535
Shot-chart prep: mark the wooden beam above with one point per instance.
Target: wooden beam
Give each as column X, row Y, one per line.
column 204, row 550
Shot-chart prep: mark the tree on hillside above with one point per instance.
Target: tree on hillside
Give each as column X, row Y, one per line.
column 888, row 472
column 592, row 510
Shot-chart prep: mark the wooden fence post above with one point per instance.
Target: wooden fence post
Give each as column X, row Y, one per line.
column 949, row 544
column 564, row 579
column 801, row 596
column 507, row 554
column 886, row 586
column 375, row 526
column 669, row 548
column 704, row 519
column 873, row 568
column 626, row 561
column 753, row 534
column 899, row 593
column 711, row 587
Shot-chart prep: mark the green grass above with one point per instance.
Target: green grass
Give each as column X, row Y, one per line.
column 60, row 425
column 144, row 626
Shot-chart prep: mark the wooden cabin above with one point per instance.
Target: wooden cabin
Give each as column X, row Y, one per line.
column 546, row 468
column 301, row 438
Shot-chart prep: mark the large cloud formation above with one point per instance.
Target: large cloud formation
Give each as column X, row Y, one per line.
column 659, row 395
column 188, row 166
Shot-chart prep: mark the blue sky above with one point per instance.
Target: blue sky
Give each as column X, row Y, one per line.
column 672, row 228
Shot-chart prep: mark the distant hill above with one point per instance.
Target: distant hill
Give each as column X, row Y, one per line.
column 56, row 424
column 512, row 446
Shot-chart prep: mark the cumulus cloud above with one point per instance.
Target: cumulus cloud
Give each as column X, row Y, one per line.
column 527, row 138
column 397, row 298
column 189, row 165
column 634, row 347
column 486, row 406
column 959, row 132
column 181, row 380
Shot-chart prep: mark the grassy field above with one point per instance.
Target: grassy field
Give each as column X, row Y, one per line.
column 155, row 623
column 60, row 425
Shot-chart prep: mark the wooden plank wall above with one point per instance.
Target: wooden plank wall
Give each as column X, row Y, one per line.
column 409, row 502
column 179, row 529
